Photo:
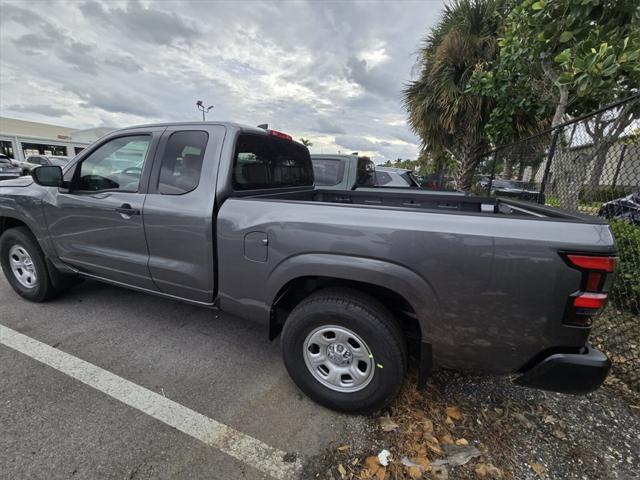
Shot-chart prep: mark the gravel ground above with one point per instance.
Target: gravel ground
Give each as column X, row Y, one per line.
column 523, row 433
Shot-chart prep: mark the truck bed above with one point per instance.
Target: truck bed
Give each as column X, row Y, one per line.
column 488, row 274
column 442, row 202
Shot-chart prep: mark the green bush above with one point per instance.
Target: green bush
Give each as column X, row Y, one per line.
column 552, row 201
column 625, row 293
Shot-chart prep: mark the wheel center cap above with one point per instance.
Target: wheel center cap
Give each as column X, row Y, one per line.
column 339, row 354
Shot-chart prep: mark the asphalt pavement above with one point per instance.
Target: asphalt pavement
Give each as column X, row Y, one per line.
column 221, row 368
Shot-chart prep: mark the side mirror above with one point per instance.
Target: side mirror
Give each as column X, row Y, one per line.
column 48, row 176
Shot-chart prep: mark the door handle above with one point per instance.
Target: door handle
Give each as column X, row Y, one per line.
column 125, row 209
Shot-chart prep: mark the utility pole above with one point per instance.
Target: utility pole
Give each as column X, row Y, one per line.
column 200, row 106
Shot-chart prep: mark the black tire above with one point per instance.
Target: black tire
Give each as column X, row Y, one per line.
column 22, row 236
column 368, row 319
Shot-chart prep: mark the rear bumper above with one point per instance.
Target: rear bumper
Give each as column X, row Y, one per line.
column 575, row 373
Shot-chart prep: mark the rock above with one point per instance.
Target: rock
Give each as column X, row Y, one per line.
column 460, row 454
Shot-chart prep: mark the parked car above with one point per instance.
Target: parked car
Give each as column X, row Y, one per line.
column 514, row 189
column 227, row 217
column 15, row 162
column 395, row 177
column 343, row 172
column 626, row 208
column 33, row 161
column 351, row 172
column 7, row 170
column 483, row 180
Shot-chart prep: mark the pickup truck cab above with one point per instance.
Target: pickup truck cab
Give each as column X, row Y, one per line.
column 342, row 172
column 226, row 216
column 350, row 172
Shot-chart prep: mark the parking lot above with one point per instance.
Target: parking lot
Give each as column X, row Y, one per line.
column 140, row 356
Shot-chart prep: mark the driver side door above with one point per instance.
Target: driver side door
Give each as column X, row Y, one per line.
column 96, row 224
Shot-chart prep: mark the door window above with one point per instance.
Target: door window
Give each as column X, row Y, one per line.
column 116, row 165
column 182, row 162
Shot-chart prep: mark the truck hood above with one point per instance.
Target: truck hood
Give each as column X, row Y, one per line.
column 17, row 182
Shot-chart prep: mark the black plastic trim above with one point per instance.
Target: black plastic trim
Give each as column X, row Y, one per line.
column 574, row 373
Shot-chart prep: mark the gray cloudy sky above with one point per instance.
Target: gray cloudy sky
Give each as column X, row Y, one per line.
column 329, row 71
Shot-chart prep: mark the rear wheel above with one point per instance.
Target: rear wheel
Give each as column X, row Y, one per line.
column 345, row 350
column 23, row 264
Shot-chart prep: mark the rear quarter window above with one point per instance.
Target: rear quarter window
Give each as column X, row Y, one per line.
column 328, row 171
column 263, row 161
column 182, row 162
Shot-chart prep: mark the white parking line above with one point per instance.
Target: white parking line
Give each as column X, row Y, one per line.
column 243, row 447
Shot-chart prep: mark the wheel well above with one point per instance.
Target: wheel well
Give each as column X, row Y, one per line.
column 7, row 222
column 296, row 290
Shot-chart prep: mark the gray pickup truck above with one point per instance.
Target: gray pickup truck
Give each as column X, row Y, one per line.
column 351, row 172
column 227, row 216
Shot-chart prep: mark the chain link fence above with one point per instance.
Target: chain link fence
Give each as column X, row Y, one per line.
column 590, row 165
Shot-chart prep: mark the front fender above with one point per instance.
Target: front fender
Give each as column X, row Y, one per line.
column 416, row 290
column 17, row 204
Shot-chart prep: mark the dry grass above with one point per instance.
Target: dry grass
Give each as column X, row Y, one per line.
column 520, row 433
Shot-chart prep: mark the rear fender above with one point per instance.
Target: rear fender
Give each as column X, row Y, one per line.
column 416, row 290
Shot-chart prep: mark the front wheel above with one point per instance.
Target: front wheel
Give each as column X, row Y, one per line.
column 23, row 264
column 345, row 350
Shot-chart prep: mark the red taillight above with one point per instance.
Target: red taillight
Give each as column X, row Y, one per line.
column 278, row 134
column 590, row 300
column 589, row 262
column 594, row 280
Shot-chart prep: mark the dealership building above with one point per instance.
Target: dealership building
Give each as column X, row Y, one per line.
column 20, row 138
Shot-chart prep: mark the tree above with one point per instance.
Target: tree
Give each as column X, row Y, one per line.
column 442, row 111
column 406, row 164
column 587, row 50
column 564, row 58
column 306, row 142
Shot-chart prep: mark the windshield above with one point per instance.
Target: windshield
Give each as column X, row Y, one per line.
column 268, row 162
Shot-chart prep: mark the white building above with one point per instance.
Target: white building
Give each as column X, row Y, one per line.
column 20, row 138
column 621, row 168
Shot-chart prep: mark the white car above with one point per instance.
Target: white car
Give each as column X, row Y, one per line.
column 33, row 161
column 7, row 168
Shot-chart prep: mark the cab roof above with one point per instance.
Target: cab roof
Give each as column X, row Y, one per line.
column 238, row 126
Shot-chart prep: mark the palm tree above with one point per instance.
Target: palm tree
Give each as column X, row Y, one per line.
column 441, row 110
column 306, row 142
